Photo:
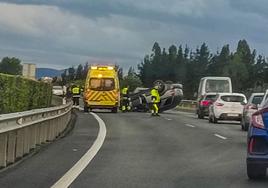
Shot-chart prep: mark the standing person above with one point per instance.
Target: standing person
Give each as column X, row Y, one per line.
column 76, row 95
column 125, row 100
column 155, row 100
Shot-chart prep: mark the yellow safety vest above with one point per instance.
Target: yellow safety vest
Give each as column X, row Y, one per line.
column 76, row 90
column 124, row 91
column 155, row 95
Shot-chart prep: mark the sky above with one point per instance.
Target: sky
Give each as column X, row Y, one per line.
column 63, row 33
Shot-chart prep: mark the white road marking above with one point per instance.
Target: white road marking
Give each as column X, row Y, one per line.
column 219, row 136
column 168, row 119
column 189, row 125
column 73, row 173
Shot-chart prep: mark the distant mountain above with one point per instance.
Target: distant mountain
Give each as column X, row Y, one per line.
column 47, row 72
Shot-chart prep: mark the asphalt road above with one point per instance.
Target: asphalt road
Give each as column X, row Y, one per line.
column 174, row 150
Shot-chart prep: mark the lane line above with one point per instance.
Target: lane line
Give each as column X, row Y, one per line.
column 168, row 119
column 189, row 125
column 73, row 173
column 219, row 136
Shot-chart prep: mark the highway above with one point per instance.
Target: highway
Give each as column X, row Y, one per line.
column 174, row 150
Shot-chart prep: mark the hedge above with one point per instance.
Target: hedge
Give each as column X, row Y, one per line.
column 20, row 94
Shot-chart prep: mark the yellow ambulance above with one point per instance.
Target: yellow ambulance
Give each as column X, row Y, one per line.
column 102, row 89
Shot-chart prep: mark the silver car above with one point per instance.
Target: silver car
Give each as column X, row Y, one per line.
column 170, row 94
column 255, row 103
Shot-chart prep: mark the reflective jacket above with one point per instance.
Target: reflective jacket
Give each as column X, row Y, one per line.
column 76, row 91
column 155, row 96
column 125, row 91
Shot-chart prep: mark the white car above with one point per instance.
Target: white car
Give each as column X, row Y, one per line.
column 58, row 90
column 227, row 106
column 250, row 108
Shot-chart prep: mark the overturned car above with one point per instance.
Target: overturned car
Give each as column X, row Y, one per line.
column 171, row 94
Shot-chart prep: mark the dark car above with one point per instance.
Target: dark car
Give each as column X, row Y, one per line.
column 203, row 105
column 257, row 141
column 170, row 94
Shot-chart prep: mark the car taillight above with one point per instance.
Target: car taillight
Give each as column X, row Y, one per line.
column 218, row 104
column 257, row 121
column 205, row 103
column 252, row 107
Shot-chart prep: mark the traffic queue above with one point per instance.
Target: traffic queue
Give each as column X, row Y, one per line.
column 217, row 101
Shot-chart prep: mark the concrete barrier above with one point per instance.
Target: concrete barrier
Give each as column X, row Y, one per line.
column 22, row 132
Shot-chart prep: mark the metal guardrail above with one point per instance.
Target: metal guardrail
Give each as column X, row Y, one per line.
column 23, row 131
column 188, row 104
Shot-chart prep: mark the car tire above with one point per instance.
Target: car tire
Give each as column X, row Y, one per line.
column 242, row 125
column 162, row 86
column 256, row 171
column 246, row 126
column 215, row 120
column 209, row 119
column 200, row 115
column 86, row 108
column 114, row 110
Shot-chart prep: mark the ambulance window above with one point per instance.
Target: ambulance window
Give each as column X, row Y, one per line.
column 108, row 84
column 95, row 83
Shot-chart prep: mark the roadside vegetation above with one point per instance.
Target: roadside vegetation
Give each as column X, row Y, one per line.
column 20, row 94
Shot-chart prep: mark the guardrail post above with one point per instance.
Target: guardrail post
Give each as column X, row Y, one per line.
column 38, row 133
column 26, row 141
column 21, row 132
column 19, row 143
column 33, row 136
column 11, row 147
column 3, row 150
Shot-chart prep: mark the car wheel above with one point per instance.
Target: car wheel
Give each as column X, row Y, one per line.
column 86, row 108
column 242, row 125
column 114, row 110
column 256, row 171
column 246, row 125
column 215, row 120
column 161, row 85
column 209, row 119
column 201, row 115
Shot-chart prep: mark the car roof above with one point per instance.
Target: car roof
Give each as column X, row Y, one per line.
column 233, row 94
column 210, row 94
column 255, row 94
column 215, row 78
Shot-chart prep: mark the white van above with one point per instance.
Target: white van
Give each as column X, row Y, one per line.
column 214, row 85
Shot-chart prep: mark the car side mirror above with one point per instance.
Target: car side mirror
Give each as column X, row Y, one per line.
column 243, row 103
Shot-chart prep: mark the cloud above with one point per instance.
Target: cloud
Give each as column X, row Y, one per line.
column 67, row 32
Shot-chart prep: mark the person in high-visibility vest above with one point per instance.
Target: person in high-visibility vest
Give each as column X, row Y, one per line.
column 76, row 95
column 155, row 101
column 125, row 99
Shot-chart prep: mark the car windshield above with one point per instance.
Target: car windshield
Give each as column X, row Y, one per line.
column 257, row 99
column 232, row 98
column 102, row 84
column 210, row 97
column 218, row 86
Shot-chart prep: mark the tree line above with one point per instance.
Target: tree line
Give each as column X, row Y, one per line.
column 78, row 76
column 11, row 65
column 247, row 70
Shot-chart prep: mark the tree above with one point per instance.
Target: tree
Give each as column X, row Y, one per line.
column 85, row 70
column 71, row 74
column 11, row 66
column 132, row 80
column 79, row 72
column 238, row 73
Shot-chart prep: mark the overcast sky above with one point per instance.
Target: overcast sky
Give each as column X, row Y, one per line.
column 62, row 33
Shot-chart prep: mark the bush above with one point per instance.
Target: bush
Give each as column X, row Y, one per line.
column 21, row 94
